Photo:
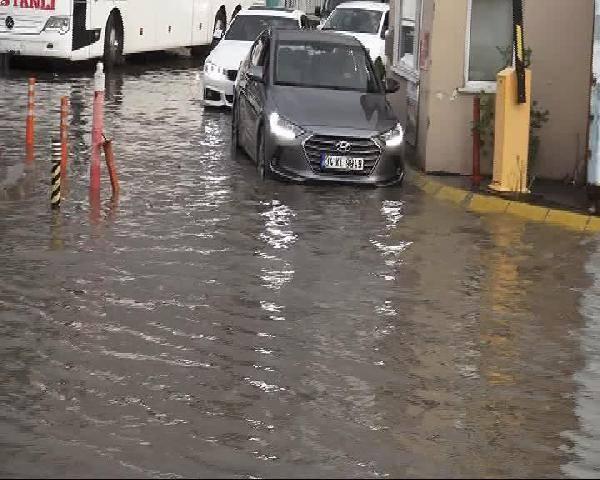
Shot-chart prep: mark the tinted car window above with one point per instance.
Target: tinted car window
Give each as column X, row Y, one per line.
column 325, row 65
column 354, row 20
column 248, row 27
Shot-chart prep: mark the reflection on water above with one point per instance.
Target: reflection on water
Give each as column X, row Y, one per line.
column 212, row 324
column 585, row 441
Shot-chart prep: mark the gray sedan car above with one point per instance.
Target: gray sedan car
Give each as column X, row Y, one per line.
column 308, row 106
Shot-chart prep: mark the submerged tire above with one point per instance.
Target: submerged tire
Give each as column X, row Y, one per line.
column 262, row 166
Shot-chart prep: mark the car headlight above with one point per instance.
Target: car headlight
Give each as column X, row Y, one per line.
column 58, row 23
column 393, row 137
column 283, row 128
column 213, row 69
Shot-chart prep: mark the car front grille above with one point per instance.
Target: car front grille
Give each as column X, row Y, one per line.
column 232, row 75
column 366, row 148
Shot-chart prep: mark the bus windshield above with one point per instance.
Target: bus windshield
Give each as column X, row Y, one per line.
column 248, row 27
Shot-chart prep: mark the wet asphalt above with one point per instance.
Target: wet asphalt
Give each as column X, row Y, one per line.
column 210, row 324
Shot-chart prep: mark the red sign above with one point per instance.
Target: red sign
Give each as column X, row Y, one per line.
column 35, row 4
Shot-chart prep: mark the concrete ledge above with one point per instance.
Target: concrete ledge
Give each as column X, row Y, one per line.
column 485, row 204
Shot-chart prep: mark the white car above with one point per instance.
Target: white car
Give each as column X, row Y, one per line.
column 221, row 66
column 366, row 21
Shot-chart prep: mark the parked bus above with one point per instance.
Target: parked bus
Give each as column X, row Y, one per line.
column 110, row 29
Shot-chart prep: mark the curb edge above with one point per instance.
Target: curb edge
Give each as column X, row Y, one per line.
column 487, row 204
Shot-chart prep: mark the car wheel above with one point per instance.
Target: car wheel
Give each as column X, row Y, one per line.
column 262, row 166
column 235, row 136
column 113, row 43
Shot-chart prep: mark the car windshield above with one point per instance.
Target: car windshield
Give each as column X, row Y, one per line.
column 354, row 20
column 325, row 65
column 248, row 27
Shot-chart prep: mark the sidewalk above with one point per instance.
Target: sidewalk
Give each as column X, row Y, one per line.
column 550, row 202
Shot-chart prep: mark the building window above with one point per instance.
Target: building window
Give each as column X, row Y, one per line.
column 406, row 41
column 489, row 42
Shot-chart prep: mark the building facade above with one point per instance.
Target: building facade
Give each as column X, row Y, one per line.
column 446, row 51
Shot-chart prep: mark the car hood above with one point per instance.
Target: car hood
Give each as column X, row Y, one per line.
column 315, row 107
column 372, row 42
column 228, row 54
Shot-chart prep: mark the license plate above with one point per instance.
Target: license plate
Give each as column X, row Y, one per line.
column 340, row 162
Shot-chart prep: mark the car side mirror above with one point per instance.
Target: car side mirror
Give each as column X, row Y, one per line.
column 255, row 73
column 384, row 34
column 391, row 85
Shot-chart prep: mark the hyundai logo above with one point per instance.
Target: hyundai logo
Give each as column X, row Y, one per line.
column 343, row 146
column 10, row 22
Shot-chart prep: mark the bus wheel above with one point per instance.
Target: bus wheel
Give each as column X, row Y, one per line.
column 113, row 43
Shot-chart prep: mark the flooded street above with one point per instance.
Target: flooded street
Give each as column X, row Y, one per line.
column 212, row 325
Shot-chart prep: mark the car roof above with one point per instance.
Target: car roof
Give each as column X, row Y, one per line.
column 271, row 12
column 382, row 7
column 314, row 36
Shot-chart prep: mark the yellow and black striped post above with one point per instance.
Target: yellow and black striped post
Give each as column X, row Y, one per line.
column 55, row 181
column 519, row 48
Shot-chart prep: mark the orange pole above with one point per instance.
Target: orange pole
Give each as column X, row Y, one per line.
column 64, row 135
column 110, row 164
column 29, row 136
column 97, row 127
column 29, row 154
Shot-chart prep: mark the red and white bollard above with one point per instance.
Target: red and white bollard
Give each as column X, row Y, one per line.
column 97, row 128
column 29, row 130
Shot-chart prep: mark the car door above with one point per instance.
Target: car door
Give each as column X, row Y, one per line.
column 242, row 101
column 252, row 95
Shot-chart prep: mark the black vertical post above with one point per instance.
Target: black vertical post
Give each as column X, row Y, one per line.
column 519, row 49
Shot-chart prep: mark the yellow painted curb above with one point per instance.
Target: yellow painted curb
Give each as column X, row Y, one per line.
column 430, row 187
column 451, row 194
column 593, row 225
column 483, row 204
column 571, row 220
column 527, row 211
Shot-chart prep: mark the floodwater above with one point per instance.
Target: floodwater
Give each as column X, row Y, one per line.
column 212, row 325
